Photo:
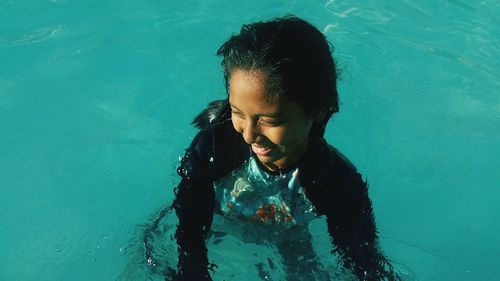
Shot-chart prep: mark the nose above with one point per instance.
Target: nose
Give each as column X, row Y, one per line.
column 250, row 131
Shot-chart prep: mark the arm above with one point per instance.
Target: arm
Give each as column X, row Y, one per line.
column 193, row 204
column 353, row 231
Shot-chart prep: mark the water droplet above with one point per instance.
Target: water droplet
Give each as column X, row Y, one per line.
column 151, row 262
column 282, row 175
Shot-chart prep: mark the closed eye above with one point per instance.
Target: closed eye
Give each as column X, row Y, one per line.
column 237, row 113
column 261, row 120
column 271, row 122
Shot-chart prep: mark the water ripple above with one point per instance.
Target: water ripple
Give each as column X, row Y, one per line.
column 35, row 36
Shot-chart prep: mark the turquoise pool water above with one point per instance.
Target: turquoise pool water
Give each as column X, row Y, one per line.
column 96, row 98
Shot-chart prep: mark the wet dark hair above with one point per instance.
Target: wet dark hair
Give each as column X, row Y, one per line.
column 296, row 59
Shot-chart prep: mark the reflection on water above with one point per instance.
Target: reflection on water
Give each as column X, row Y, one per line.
column 154, row 255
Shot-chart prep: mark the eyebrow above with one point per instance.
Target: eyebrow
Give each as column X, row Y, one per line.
column 279, row 115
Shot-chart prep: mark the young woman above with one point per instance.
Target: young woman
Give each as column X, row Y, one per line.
column 260, row 158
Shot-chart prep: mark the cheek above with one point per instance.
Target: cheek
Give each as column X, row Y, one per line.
column 278, row 135
column 292, row 135
column 236, row 125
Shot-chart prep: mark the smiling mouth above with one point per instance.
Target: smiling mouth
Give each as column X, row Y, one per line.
column 261, row 151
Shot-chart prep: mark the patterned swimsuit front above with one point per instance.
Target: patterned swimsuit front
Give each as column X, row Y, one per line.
column 255, row 201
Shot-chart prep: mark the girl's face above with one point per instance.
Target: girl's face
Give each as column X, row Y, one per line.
column 276, row 129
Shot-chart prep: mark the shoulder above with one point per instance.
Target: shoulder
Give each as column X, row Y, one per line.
column 329, row 176
column 230, row 150
column 194, row 162
column 343, row 169
column 216, row 150
column 206, row 140
column 327, row 164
